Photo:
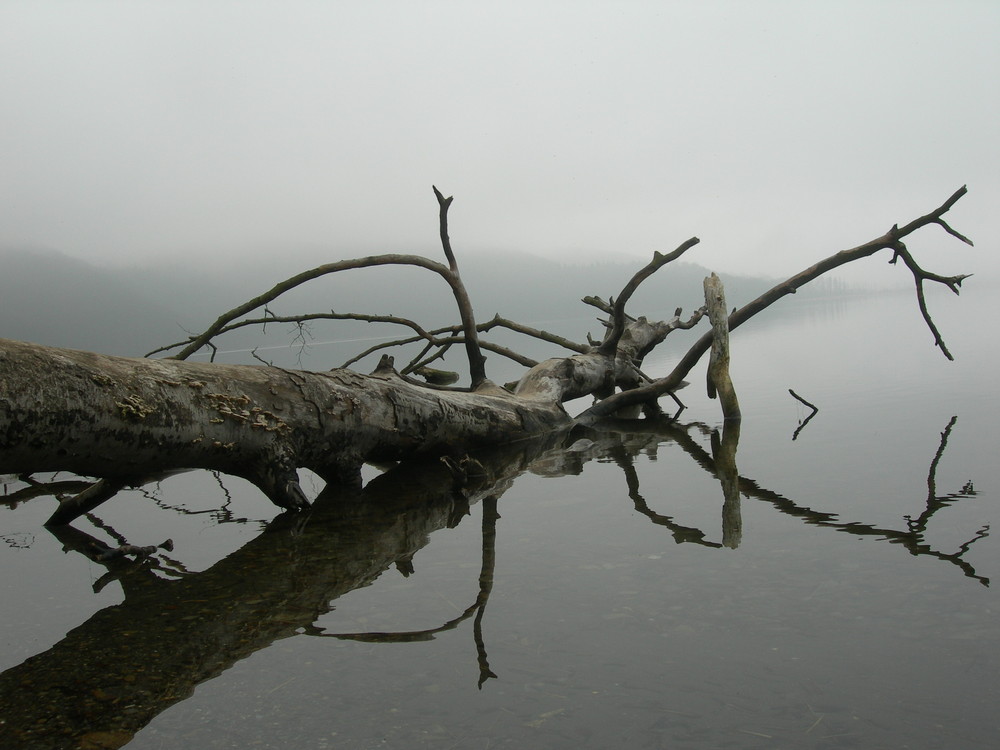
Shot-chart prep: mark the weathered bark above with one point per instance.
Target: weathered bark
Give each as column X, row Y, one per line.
column 124, row 420
column 719, row 382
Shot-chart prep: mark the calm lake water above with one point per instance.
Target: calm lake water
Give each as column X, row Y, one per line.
column 602, row 596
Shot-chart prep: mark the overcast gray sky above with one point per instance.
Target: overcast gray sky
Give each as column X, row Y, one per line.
column 778, row 132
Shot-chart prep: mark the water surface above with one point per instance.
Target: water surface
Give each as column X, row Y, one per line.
column 602, row 597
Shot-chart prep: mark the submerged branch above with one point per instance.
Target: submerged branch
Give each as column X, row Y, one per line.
column 804, row 422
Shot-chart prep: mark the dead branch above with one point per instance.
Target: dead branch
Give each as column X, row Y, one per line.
column 304, row 318
column 536, row 333
column 477, row 362
column 889, row 240
column 448, row 273
column 719, row 382
column 804, row 422
column 919, row 276
column 444, row 344
column 618, row 320
column 797, row 397
column 120, row 419
column 194, row 343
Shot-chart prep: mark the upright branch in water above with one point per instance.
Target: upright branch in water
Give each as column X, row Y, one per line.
column 719, row 382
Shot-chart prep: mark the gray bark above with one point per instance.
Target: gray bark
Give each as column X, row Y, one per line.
column 719, row 382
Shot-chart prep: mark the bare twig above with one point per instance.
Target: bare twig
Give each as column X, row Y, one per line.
column 605, row 307
column 443, row 342
column 296, row 319
column 448, row 273
column 196, row 342
column 551, row 338
column 420, row 361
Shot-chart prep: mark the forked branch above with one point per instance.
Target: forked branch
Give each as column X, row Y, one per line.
column 919, row 275
column 618, row 318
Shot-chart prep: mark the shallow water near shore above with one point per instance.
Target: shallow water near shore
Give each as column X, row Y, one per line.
column 604, row 595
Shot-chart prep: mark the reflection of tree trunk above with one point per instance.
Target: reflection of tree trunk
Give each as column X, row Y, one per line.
column 111, row 675
column 724, row 453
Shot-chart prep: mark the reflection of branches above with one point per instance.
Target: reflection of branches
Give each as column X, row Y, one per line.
column 167, row 636
column 43, row 489
column 680, row 533
column 127, row 564
column 932, row 471
column 912, row 538
column 478, row 608
column 221, row 514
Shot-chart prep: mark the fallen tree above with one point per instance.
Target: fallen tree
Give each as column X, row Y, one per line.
column 125, row 421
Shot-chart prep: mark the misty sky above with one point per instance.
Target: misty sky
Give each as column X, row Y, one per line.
column 777, row 132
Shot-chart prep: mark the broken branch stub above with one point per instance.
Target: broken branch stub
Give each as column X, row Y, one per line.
column 719, row 381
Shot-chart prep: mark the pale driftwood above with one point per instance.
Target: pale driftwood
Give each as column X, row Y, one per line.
column 719, row 382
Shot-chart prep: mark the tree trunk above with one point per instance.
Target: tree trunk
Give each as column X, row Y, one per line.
column 127, row 420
